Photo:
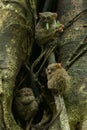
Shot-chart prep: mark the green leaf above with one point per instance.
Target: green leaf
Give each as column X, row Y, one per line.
column 47, row 26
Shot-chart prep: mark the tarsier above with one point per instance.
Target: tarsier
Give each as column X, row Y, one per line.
column 58, row 82
column 46, row 34
column 58, row 78
column 47, row 27
column 25, row 106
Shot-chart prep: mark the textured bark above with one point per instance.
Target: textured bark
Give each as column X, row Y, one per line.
column 16, row 37
column 15, row 26
column 76, row 97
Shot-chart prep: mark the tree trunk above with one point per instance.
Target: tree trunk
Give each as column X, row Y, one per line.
column 73, row 36
column 16, row 38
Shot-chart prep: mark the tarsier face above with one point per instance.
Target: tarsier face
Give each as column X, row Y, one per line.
column 25, row 104
column 48, row 20
column 25, row 95
column 50, row 71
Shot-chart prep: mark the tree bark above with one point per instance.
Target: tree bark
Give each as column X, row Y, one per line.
column 16, row 28
column 16, row 38
column 76, row 96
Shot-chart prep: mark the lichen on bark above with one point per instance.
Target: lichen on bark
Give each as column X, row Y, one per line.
column 16, row 39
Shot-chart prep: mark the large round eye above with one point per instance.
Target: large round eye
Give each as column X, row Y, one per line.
column 48, row 19
column 49, row 71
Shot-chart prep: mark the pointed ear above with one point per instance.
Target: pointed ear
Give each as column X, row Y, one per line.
column 58, row 65
column 55, row 15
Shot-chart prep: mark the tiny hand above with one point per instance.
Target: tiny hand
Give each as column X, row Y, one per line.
column 60, row 27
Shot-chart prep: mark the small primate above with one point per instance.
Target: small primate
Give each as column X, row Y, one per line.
column 46, row 36
column 25, row 106
column 58, row 83
column 58, row 78
column 47, row 27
